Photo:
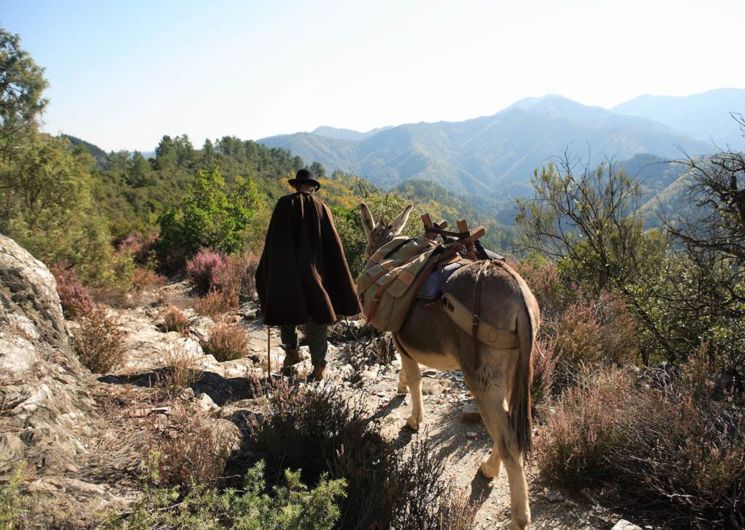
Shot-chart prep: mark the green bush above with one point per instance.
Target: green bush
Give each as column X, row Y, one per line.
column 291, row 506
column 211, row 215
column 321, row 432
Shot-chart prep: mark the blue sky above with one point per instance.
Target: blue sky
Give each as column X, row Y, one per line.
column 122, row 74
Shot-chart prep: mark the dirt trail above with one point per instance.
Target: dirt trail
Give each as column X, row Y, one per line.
column 463, row 445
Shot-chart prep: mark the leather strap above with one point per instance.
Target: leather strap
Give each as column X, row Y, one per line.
column 476, row 318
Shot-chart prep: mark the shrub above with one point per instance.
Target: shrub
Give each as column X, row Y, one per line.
column 189, row 450
column 146, row 278
column 321, row 432
column 544, row 373
column 180, row 370
column 544, row 280
column 580, row 432
column 292, row 506
column 209, row 216
column 619, row 332
column 236, row 277
column 214, row 304
column 227, row 342
column 670, row 450
column 589, row 332
column 174, row 319
column 75, row 298
column 201, row 268
column 99, row 342
column 140, row 247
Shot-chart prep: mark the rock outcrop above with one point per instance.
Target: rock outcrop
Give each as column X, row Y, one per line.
column 47, row 418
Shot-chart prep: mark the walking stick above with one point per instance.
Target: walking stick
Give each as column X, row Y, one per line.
column 269, row 353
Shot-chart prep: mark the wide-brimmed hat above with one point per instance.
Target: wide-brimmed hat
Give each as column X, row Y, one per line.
column 303, row 176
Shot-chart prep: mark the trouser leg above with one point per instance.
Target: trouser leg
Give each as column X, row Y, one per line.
column 317, row 343
column 289, row 336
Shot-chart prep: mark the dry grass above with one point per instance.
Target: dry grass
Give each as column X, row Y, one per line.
column 174, row 319
column 99, row 342
column 181, row 369
column 227, row 342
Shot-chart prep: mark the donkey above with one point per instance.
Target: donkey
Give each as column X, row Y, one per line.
column 499, row 379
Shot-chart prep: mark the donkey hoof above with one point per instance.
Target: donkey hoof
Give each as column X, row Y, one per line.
column 488, row 471
column 412, row 423
column 402, row 389
column 520, row 524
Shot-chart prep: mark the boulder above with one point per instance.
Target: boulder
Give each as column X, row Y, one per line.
column 623, row 524
column 47, row 418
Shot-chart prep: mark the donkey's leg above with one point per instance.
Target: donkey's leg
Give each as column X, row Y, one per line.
column 494, row 412
column 490, row 467
column 413, row 378
column 402, row 388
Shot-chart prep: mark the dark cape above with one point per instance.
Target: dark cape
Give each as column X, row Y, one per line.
column 303, row 274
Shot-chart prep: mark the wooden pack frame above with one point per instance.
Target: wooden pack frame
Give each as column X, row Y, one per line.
column 464, row 235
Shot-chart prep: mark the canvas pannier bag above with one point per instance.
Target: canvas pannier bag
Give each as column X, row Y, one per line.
column 387, row 286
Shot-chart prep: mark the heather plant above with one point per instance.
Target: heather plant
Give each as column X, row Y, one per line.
column 99, row 341
column 215, row 304
column 227, row 342
column 235, row 277
column 75, row 298
column 140, row 247
column 202, row 267
column 187, row 450
column 667, row 449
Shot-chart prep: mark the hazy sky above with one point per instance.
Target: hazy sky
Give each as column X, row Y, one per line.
column 123, row 73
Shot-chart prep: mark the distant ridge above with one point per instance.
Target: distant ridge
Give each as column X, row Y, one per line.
column 704, row 116
column 491, row 155
column 347, row 134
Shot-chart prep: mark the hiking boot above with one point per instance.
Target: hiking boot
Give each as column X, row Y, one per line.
column 292, row 356
column 317, row 374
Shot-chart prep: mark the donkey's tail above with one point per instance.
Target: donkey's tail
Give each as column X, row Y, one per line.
column 519, row 402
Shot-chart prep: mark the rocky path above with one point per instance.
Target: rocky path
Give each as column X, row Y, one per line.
column 452, row 428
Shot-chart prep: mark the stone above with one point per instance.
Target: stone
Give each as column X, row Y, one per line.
column 554, row 496
column 472, row 435
column 48, row 417
column 623, row 524
column 187, row 394
column 206, row 405
column 470, row 413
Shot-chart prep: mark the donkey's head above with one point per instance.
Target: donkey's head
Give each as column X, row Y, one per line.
column 380, row 233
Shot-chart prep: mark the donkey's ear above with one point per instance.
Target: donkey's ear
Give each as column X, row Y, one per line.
column 368, row 225
column 399, row 222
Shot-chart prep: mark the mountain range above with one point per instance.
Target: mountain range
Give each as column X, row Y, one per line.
column 496, row 155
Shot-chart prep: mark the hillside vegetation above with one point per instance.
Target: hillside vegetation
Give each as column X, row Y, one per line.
column 492, row 155
column 639, row 388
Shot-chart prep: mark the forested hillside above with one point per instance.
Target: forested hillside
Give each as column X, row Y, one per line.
column 495, row 155
column 704, row 116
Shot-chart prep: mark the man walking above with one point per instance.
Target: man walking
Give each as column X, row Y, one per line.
column 303, row 276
